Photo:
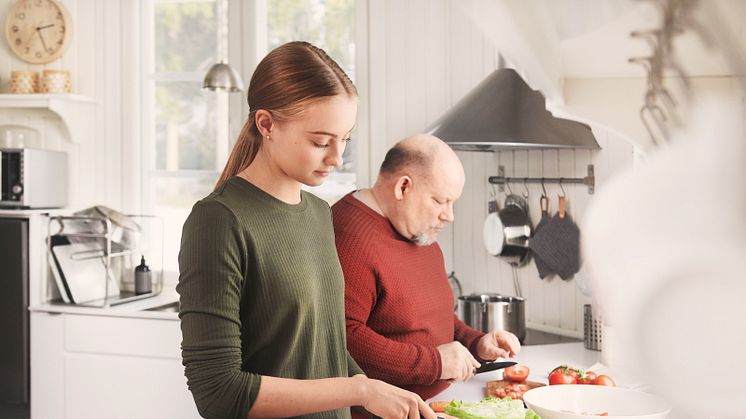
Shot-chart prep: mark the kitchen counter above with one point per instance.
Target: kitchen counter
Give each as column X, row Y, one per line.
column 134, row 309
column 541, row 359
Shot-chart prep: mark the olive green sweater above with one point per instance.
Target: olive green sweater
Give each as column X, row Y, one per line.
column 261, row 293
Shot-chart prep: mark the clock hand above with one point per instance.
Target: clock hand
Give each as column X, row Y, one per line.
column 44, row 44
column 45, row 26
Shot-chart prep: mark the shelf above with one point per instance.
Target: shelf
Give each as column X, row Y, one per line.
column 75, row 112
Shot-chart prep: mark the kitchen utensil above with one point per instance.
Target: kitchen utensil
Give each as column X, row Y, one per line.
column 558, row 243
column 456, row 288
column 84, row 272
column 494, row 387
column 489, row 311
column 555, row 402
column 124, row 231
column 492, row 231
column 506, row 232
column 541, row 266
column 591, row 329
column 493, row 366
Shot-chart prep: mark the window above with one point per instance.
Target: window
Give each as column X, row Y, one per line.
column 185, row 143
column 330, row 25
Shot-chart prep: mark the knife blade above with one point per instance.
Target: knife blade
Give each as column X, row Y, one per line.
column 492, row 366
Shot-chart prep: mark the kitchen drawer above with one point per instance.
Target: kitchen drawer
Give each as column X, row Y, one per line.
column 123, row 336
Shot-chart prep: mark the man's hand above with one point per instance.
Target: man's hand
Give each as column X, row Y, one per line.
column 498, row 344
column 457, row 363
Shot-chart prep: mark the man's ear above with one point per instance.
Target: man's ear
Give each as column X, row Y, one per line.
column 264, row 121
column 402, row 186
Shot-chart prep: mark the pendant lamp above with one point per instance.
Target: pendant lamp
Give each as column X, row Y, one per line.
column 221, row 76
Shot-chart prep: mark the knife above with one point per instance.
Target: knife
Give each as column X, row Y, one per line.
column 492, row 366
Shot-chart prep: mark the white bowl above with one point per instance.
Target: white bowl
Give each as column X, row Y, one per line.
column 553, row 402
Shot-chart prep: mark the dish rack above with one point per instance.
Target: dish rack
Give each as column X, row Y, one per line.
column 96, row 233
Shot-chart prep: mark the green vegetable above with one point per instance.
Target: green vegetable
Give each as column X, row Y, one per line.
column 490, row 408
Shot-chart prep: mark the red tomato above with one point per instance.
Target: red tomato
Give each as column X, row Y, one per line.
column 564, row 369
column 604, row 380
column 516, row 373
column 588, row 378
column 560, row 377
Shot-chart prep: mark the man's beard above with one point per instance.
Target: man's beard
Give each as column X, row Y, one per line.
column 423, row 239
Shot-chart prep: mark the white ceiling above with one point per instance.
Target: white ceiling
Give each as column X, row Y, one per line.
column 594, row 39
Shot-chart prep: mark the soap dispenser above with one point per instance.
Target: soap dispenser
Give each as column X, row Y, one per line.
column 143, row 278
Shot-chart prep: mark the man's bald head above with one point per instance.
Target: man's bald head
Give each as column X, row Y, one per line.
column 420, row 154
column 420, row 179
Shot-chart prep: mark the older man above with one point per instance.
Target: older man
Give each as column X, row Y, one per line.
column 399, row 306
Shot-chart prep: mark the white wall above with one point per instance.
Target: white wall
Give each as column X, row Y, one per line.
column 94, row 61
column 424, row 56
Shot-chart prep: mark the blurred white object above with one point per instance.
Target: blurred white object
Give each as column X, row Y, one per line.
column 665, row 246
column 556, row 402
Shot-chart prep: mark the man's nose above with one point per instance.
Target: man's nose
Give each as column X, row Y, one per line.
column 447, row 214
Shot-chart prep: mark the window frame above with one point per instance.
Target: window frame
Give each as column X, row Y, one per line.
column 246, row 46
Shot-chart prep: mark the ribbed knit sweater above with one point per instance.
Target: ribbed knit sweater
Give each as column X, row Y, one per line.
column 261, row 293
column 398, row 303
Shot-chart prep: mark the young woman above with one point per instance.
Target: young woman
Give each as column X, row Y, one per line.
column 262, row 292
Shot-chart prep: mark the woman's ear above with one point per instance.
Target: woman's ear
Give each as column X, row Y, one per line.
column 402, row 186
column 264, row 121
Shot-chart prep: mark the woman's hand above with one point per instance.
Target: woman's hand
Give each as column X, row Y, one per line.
column 498, row 344
column 387, row 401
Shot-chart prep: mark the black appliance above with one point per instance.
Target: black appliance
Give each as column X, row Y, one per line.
column 14, row 319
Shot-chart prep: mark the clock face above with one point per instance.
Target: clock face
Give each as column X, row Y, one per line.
column 38, row 31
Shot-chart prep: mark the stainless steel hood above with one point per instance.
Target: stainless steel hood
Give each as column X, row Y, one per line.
column 504, row 113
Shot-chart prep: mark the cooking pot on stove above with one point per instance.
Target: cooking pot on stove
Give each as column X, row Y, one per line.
column 490, row 311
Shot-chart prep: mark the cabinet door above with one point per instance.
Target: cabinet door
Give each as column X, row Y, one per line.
column 112, row 387
column 47, row 372
column 14, row 321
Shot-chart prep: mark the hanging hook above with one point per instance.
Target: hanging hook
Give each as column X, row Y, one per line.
column 510, row 190
column 562, row 202
column 543, row 188
column 525, row 186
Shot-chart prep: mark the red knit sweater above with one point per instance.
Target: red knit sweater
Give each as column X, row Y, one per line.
column 398, row 303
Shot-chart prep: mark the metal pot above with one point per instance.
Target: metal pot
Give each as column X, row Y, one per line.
column 489, row 311
column 506, row 232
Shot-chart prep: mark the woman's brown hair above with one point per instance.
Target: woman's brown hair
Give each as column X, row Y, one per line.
column 284, row 83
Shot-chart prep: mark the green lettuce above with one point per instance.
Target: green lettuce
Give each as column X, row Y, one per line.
column 490, row 408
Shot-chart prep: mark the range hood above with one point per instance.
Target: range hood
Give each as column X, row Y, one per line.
column 504, row 113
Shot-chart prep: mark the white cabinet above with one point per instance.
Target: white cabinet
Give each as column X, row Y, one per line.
column 107, row 367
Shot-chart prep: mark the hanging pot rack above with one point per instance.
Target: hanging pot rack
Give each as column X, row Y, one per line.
column 501, row 179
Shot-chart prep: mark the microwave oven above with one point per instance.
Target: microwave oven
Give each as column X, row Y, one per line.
column 33, row 178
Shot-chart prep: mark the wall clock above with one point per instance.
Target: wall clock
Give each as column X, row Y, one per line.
column 38, row 31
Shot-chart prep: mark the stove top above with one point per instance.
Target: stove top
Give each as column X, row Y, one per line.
column 538, row 337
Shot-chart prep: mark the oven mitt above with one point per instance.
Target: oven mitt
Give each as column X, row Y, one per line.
column 558, row 245
column 541, row 266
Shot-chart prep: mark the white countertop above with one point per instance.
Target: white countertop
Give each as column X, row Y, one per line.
column 541, row 359
column 135, row 309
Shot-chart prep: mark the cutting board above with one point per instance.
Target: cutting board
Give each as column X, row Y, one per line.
column 85, row 278
column 494, row 385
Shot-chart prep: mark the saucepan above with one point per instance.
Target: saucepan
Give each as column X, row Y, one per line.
column 506, row 232
column 490, row 311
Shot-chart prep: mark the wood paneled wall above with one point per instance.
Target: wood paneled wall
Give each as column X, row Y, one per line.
column 428, row 56
column 94, row 61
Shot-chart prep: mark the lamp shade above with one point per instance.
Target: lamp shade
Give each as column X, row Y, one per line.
column 222, row 77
